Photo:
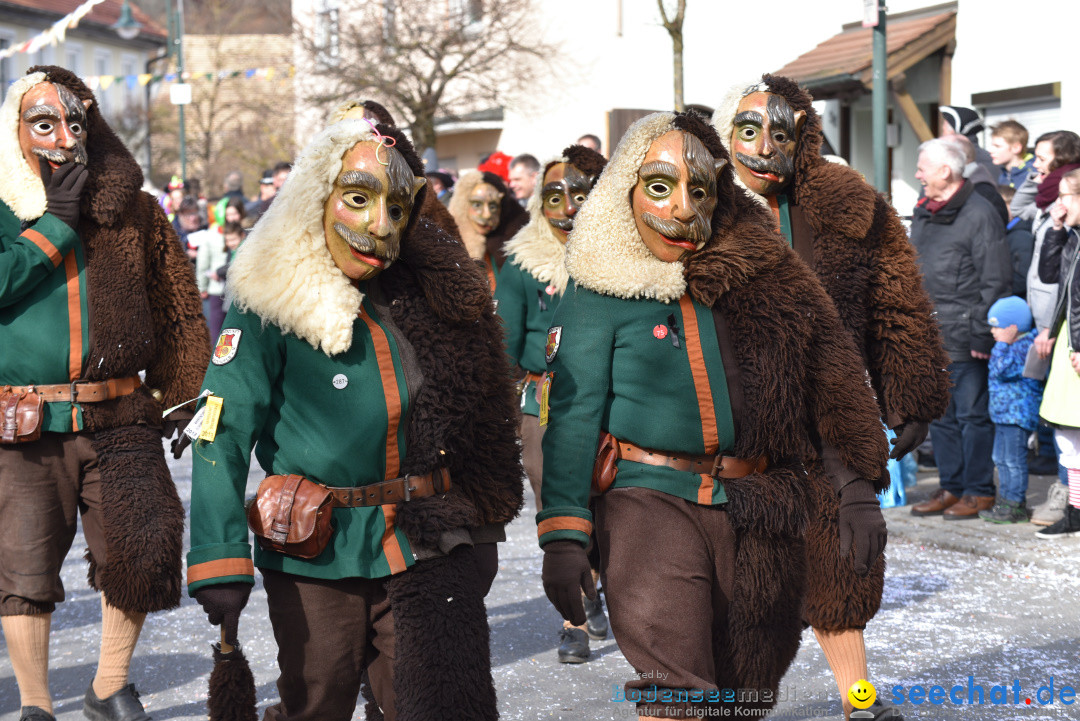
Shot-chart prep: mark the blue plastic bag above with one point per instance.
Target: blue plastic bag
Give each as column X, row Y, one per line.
column 902, row 475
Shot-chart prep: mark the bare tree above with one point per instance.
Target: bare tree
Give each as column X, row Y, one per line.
column 423, row 60
column 674, row 28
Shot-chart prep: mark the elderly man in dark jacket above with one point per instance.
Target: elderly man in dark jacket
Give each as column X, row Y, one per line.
column 966, row 267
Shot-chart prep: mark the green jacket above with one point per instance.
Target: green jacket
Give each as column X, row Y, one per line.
column 336, row 420
column 613, row 363
column 526, row 307
column 43, row 310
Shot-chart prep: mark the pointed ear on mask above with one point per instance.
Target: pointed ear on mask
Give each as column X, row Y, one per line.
column 718, row 166
column 417, row 184
column 800, row 118
column 87, row 104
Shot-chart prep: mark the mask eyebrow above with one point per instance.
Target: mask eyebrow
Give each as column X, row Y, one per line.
column 75, row 111
column 360, row 179
column 658, row 167
column 37, row 112
column 555, row 186
column 781, row 115
column 749, row 117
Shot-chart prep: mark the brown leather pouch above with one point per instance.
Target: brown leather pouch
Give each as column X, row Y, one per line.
column 604, row 470
column 21, row 415
column 291, row 515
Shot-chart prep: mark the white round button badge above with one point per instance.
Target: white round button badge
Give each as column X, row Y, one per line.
column 340, row 381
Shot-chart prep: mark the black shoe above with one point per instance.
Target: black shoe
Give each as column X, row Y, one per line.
column 121, row 706
column 1043, row 466
column 885, row 712
column 596, row 623
column 1006, row 511
column 573, row 646
column 34, row 713
column 1068, row 526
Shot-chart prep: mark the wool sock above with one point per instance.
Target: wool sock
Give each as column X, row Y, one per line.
column 846, row 654
column 119, row 634
column 1074, row 487
column 28, row 648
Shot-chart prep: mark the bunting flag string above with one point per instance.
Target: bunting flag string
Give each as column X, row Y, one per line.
column 104, row 82
column 54, row 34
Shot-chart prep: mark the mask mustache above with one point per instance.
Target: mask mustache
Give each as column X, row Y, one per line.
column 563, row 224
column 59, row 157
column 696, row 231
column 780, row 166
column 365, row 244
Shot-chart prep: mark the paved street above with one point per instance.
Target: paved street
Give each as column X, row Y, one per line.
column 961, row 599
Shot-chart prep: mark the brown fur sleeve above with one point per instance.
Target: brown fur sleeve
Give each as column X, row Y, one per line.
column 182, row 340
column 842, row 408
column 907, row 362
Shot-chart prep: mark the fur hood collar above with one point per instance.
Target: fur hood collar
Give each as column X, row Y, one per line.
column 837, row 193
column 511, row 219
column 605, row 252
column 114, row 175
column 537, row 248
column 284, row 272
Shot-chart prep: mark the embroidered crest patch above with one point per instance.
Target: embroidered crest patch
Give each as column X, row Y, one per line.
column 553, row 338
column 227, row 344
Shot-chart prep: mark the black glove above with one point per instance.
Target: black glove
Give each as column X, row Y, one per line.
column 63, row 189
column 909, row 436
column 223, row 604
column 487, row 565
column 861, row 521
column 175, row 424
column 566, row 574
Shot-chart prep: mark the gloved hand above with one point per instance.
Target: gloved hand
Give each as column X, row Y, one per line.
column 861, row 521
column 487, row 565
column 566, row 574
column 175, row 424
column 909, row 436
column 223, row 604
column 63, row 189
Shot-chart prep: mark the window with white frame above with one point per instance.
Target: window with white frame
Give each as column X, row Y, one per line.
column 103, row 70
column 73, row 58
column 327, row 34
column 129, row 83
column 7, row 66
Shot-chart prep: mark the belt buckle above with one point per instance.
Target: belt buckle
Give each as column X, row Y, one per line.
column 408, row 489
column 74, row 392
column 717, row 466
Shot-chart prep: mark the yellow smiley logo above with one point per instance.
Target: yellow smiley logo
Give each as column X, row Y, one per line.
column 862, row 694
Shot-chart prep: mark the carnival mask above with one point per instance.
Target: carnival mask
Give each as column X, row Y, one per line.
column 368, row 209
column 52, row 126
column 763, row 141
column 485, row 208
column 674, row 198
column 565, row 188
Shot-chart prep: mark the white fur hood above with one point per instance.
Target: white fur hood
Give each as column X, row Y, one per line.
column 605, row 252
column 538, row 248
column 723, row 120
column 20, row 188
column 284, row 272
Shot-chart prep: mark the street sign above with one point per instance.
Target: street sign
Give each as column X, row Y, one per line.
column 870, row 13
column 180, row 94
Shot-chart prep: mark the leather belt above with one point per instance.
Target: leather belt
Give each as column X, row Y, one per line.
column 392, row 491
column 84, row 391
column 718, row 466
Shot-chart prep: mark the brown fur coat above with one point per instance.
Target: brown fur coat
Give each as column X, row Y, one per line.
column 145, row 314
column 862, row 256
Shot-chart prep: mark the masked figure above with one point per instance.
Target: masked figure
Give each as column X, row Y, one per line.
column 79, row 240
column 701, row 357
column 487, row 216
column 530, row 286
column 360, row 353
column 853, row 240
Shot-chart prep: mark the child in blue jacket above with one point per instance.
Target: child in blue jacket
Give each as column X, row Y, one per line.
column 1014, row 406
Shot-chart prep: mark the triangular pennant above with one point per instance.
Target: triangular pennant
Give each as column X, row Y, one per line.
column 145, row 78
column 105, row 81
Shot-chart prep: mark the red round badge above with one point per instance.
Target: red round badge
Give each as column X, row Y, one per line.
column 660, row 331
column 550, row 290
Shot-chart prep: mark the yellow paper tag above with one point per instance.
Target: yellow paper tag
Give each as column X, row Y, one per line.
column 545, row 391
column 210, row 420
